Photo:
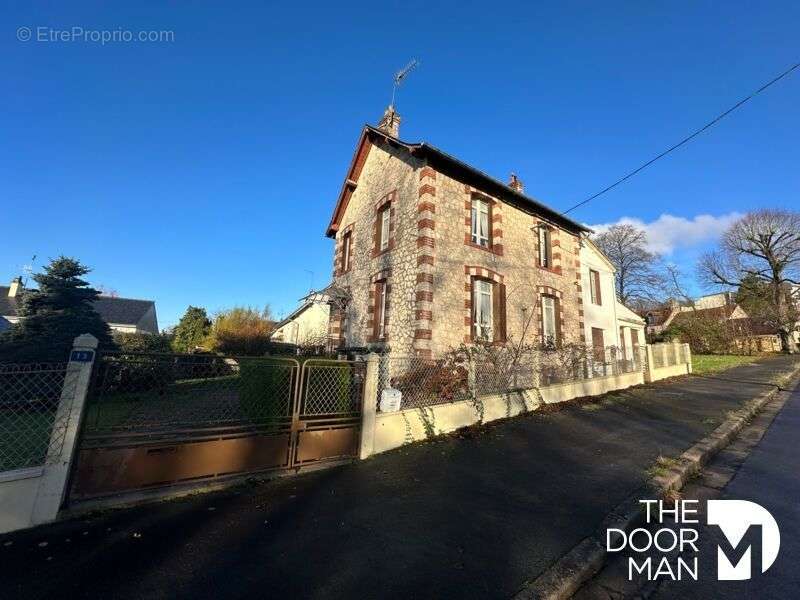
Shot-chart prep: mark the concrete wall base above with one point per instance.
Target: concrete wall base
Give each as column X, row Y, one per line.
column 393, row 430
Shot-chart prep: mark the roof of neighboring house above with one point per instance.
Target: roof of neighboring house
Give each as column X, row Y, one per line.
column 721, row 313
column 626, row 314
column 743, row 325
column 657, row 316
column 447, row 164
column 119, row 311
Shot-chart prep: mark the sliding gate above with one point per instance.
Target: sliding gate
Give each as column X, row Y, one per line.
column 155, row 420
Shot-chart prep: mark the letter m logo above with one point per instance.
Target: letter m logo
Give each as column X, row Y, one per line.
column 745, row 525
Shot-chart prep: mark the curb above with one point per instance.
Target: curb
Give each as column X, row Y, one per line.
column 585, row 560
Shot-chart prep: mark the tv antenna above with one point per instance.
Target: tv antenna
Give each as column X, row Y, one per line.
column 28, row 270
column 402, row 74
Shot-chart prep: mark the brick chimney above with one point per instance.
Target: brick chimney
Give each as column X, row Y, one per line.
column 390, row 122
column 515, row 184
column 15, row 287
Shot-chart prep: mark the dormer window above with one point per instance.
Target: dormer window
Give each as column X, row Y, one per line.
column 480, row 222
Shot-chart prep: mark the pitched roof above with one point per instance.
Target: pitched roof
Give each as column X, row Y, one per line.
column 444, row 163
column 120, row 311
column 721, row 313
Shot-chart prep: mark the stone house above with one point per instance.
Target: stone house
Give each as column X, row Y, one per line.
column 431, row 253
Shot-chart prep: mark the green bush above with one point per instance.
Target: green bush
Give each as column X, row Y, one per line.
column 266, row 388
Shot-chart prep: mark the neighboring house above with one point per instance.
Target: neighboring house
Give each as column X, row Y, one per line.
column 124, row 315
column 306, row 326
column 432, row 253
column 607, row 322
column 748, row 334
column 658, row 319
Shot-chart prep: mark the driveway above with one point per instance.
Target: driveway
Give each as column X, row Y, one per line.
column 471, row 515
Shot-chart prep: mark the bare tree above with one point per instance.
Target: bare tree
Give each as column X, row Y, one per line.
column 761, row 251
column 626, row 247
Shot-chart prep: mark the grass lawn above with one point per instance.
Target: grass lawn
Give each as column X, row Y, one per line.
column 24, row 438
column 704, row 364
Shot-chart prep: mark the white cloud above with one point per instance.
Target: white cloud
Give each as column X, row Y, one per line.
column 669, row 232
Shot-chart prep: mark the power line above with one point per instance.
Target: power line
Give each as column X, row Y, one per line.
column 711, row 123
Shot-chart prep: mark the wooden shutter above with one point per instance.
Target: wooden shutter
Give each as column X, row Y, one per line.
column 598, row 344
column 377, row 315
column 598, row 296
column 499, row 311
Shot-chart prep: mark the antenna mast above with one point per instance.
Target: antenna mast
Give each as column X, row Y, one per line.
column 402, row 74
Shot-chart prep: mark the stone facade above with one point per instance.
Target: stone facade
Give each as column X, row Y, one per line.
column 431, row 260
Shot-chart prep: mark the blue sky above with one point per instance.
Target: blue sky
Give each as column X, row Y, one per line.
column 204, row 170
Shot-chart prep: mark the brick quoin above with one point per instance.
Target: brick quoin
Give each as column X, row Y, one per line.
column 427, row 189
column 424, row 278
column 429, row 206
column 423, row 296
column 423, row 315
column 422, row 334
column 426, row 224
column 427, row 172
column 425, row 242
column 424, row 260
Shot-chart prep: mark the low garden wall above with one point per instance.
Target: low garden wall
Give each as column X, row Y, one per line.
column 18, row 491
column 395, row 429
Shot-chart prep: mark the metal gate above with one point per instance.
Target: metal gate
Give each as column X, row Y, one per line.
column 156, row 420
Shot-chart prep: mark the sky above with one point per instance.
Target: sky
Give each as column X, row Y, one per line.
column 202, row 168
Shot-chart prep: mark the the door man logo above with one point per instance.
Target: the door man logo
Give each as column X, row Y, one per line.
column 749, row 536
column 746, row 526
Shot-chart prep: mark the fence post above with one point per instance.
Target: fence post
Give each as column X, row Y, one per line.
column 64, row 437
column 369, row 406
column 648, row 366
column 688, row 354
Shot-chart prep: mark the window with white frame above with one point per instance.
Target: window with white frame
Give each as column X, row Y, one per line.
column 549, row 328
column 545, row 250
column 480, row 222
column 483, row 319
column 385, row 220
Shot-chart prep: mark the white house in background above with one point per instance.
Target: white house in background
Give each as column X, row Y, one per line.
column 306, row 326
column 607, row 322
column 123, row 315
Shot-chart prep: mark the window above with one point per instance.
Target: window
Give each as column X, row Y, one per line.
column 483, row 317
column 549, row 326
column 545, row 250
column 384, row 220
column 480, row 222
column 380, row 309
column 598, row 345
column 346, row 250
column 594, row 287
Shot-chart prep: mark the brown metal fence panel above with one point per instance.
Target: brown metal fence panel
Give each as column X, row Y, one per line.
column 329, row 417
column 160, row 419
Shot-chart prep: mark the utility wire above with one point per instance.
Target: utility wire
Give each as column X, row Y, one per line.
column 711, row 123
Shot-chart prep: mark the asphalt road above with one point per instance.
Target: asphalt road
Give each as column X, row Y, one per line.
column 472, row 515
column 770, row 476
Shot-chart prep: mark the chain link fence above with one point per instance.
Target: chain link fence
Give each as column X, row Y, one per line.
column 466, row 375
column 32, row 424
column 155, row 392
